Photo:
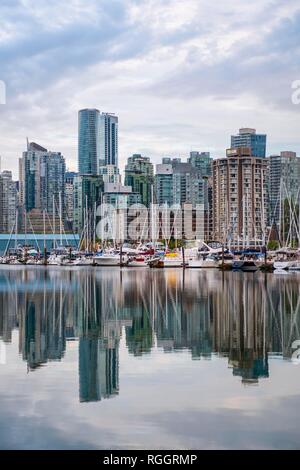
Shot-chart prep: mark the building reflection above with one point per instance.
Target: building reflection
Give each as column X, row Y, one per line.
column 242, row 318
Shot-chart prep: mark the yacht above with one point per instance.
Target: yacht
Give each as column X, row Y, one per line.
column 286, row 259
column 110, row 259
column 83, row 261
column 173, row 260
column 138, row 262
column 209, row 262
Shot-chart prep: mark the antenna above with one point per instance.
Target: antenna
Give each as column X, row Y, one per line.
column 27, row 144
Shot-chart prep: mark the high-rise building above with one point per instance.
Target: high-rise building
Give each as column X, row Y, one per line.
column 164, row 183
column 69, row 197
column 87, row 195
column 180, row 183
column 42, row 179
column 110, row 174
column 108, row 142
column 139, row 175
column 284, row 181
column 8, row 202
column 202, row 161
column 88, row 141
column 240, row 197
column 120, row 196
column 248, row 137
column 97, row 141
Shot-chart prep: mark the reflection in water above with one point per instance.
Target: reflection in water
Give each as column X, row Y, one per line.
column 244, row 317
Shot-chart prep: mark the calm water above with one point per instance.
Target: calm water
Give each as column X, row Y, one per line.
column 98, row 358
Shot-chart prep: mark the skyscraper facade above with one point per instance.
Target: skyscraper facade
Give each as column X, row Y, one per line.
column 88, row 141
column 178, row 182
column 248, row 137
column 42, row 179
column 8, row 202
column 120, row 196
column 69, row 197
column 163, row 183
column 108, row 140
column 139, row 175
column 284, row 181
column 240, row 197
column 202, row 161
column 110, row 174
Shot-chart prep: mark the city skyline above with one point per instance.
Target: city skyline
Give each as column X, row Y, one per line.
column 157, row 160
column 176, row 77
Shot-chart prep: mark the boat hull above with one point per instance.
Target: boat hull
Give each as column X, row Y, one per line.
column 106, row 261
column 283, row 265
column 246, row 266
column 203, row 264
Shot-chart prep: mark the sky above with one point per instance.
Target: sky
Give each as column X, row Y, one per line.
column 180, row 75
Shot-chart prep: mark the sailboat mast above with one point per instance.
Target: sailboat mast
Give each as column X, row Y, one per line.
column 60, row 218
column 54, row 227
column 16, row 233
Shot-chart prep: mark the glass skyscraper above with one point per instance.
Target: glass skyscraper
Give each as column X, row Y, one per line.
column 89, row 141
column 108, row 140
column 97, row 141
column 248, row 138
column 42, row 178
column 284, row 178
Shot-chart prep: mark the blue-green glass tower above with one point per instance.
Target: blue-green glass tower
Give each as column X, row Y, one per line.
column 88, row 141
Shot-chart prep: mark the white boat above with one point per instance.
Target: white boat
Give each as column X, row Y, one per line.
column 284, row 265
column 172, row 260
column 286, row 259
column 14, row 261
column 138, row 262
column 83, row 261
column 55, row 260
column 109, row 259
column 203, row 262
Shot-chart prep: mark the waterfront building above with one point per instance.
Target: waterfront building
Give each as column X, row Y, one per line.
column 248, row 137
column 284, row 181
column 8, row 202
column 42, row 179
column 240, row 197
column 108, row 140
column 87, row 196
column 139, row 175
column 88, row 141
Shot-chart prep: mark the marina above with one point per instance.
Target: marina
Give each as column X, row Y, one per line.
column 150, row 255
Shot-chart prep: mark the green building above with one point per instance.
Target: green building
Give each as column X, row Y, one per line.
column 139, row 175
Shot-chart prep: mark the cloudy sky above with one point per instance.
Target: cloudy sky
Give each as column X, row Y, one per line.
column 181, row 74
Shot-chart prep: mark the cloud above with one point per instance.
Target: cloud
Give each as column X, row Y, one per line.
column 180, row 75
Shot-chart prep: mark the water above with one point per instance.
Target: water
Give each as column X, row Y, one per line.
column 103, row 358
